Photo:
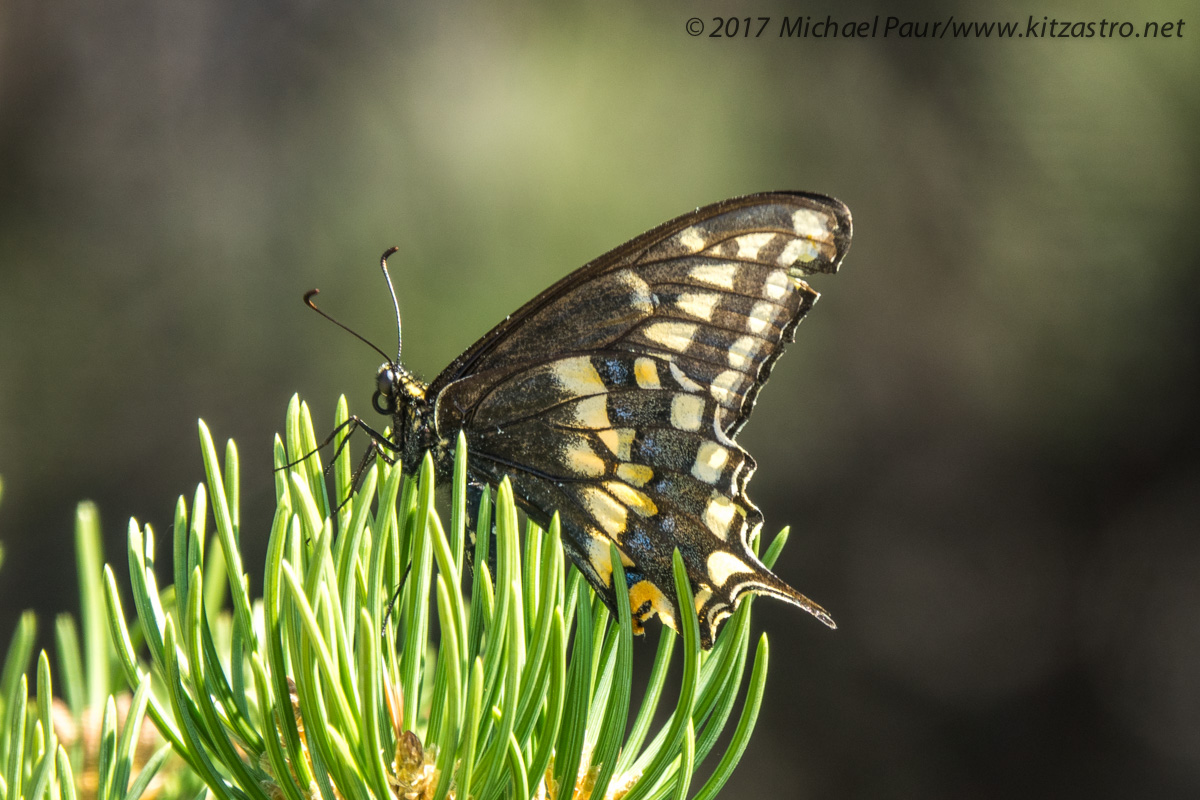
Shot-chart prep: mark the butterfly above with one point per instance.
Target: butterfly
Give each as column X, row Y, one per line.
column 615, row 397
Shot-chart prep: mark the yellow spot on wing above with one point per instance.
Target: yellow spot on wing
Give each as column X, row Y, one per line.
column 578, row 377
column 592, row 412
column 722, row 565
column 710, row 459
column 601, row 560
column 636, row 501
column 646, row 600
column 636, row 474
column 609, row 514
column 701, row 597
column 645, row 371
column 619, row 441
column 687, row 412
column 583, row 461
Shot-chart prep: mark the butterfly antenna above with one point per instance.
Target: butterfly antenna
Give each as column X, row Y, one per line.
column 395, row 303
column 311, row 293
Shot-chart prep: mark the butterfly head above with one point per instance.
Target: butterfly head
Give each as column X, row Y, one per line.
column 396, row 389
column 402, row 396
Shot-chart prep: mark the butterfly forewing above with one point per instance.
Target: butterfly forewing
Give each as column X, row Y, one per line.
column 603, row 298
column 614, row 396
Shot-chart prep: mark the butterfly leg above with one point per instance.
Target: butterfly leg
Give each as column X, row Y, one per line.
column 380, row 445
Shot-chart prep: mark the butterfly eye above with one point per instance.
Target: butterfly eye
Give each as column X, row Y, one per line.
column 387, row 387
column 385, row 381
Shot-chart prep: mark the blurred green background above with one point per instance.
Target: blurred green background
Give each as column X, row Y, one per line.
column 985, row 438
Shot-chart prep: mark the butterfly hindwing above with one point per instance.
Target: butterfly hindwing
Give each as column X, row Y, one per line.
column 614, row 396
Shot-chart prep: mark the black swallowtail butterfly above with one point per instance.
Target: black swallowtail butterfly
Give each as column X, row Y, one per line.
column 614, row 397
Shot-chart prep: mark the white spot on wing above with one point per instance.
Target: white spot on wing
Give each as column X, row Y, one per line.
column 691, row 240
column 724, row 387
column 751, row 243
column 710, row 459
column 640, row 296
column 687, row 412
column 796, row 250
column 722, row 566
column 718, row 515
column 733, row 479
column 761, row 315
column 672, row 335
column 717, row 614
column 681, row 377
column 719, row 275
column 776, row 285
column 742, row 351
column 811, row 224
column 698, row 304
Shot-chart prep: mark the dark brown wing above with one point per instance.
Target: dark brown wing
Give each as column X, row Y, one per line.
column 748, row 254
column 614, row 396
